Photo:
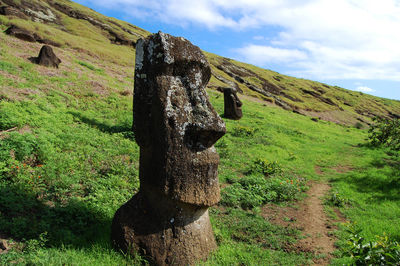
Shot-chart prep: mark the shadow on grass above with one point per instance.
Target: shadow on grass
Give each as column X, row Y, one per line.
column 23, row 217
column 381, row 181
column 125, row 129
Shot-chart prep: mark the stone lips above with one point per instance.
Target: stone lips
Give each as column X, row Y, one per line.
column 175, row 126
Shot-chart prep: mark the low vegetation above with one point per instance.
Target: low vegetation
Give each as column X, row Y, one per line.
column 382, row 252
column 385, row 132
column 68, row 159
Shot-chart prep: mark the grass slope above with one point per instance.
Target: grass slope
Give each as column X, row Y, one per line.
column 73, row 26
column 70, row 160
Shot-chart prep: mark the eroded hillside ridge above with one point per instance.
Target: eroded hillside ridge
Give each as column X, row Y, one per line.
column 65, row 24
column 54, row 12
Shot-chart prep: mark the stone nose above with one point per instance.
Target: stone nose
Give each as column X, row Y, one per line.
column 201, row 136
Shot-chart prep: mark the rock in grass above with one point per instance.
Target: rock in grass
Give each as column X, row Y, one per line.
column 3, row 245
column 20, row 33
column 11, row 11
column 47, row 57
column 175, row 126
column 232, row 104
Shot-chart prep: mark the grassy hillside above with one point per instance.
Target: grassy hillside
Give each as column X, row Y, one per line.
column 68, row 158
column 110, row 41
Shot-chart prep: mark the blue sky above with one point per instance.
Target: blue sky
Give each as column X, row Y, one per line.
column 354, row 44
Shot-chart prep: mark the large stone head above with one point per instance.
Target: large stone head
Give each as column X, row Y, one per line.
column 175, row 124
column 232, row 104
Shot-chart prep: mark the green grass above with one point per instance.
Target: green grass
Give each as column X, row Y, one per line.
column 93, row 40
column 373, row 190
column 78, row 162
column 71, row 160
column 245, row 238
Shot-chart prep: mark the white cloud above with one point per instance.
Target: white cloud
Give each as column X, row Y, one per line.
column 265, row 54
column 364, row 89
column 341, row 39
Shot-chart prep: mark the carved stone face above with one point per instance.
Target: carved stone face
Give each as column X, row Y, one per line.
column 175, row 124
column 232, row 104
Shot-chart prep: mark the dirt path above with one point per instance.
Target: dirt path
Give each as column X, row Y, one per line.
column 310, row 218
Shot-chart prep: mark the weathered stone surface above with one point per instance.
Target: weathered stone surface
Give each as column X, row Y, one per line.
column 11, row 11
column 3, row 245
column 232, row 104
column 36, row 11
column 119, row 39
column 47, row 57
column 20, row 33
column 175, row 126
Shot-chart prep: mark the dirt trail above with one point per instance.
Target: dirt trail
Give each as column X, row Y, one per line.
column 310, row 218
column 314, row 221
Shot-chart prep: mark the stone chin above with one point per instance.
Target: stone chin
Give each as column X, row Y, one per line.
column 200, row 187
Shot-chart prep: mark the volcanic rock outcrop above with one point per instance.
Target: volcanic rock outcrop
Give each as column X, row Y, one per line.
column 232, row 104
column 20, row 33
column 175, row 126
column 47, row 57
column 10, row 11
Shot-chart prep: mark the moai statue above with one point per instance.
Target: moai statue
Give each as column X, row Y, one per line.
column 232, row 104
column 175, row 126
column 47, row 57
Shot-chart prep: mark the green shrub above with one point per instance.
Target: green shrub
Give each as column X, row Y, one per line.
column 265, row 167
column 337, row 200
column 385, row 132
column 242, row 131
column 381, row 252
column 19, row 146
column 255, row 190
column 10, row 116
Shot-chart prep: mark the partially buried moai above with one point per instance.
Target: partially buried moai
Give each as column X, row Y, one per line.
column 175, row 126
column 232, row 104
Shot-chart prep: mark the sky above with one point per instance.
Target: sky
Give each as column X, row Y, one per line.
column 354, row 44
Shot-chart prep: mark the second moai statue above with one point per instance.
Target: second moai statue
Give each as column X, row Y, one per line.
column 175, row 127
column 232, row 104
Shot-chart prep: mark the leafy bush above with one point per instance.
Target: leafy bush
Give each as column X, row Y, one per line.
column 337, row 200
column 385, row 132
column 382, row 252
column 242, row 131
column 255, row 190
column 265, row 167
column 10, row 116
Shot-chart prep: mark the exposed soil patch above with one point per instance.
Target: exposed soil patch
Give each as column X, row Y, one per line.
column 98, row 88
column 310, row 218
column 343, row 168
column 318, row 170
column 257, row 100
column 339, row 169
column 336, row 116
